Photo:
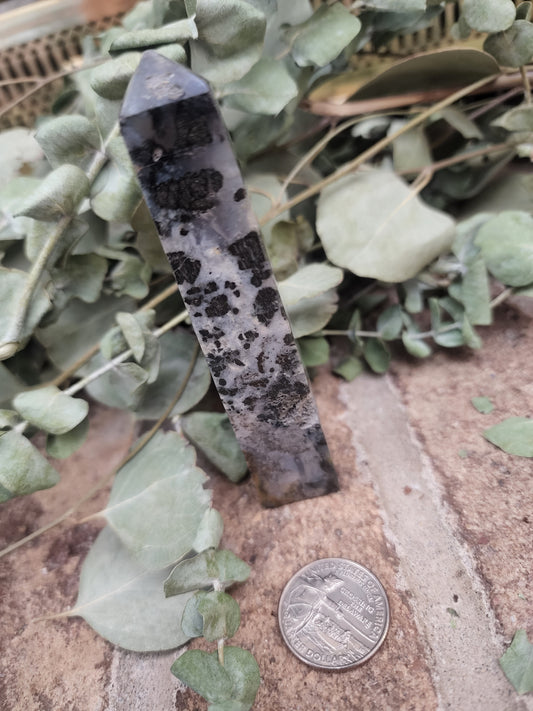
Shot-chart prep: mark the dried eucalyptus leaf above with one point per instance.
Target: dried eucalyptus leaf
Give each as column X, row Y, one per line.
column 133, row 333
column 8, row 419
column 245, row 675
column 79, row 328
column 13, row 286
column 309, row 315
column 115, row 194
column 377, row 355
column 63, row 445
column 12, row 196
column 192, row 622
column 204, row 570
column 517, row 663
column 39, row 233
column 374, row 225
column 266, row 89
column 514, row 47
column 21, row 155
column 81, row 276
column 69, row 139
column 282, row 247
column 58, row 195
column 397, row 5
column 461, row 122
column 308, row 282
column 518, row 119
column 177, row 350
column 482, row 404
column 349, row 368
column 131, row 277
column 314, row 351
column 209, row 531
column 111, row 79
column 506, row 242
column 175, row 32
column 124, row 602
column 50, row 409
column 230, row 39
column 158, row 501
column 524, row 11
column 321, row 38
column 204, row 674
column 514, row 435
column 212, row 433
column 489, row 15
column 221, row 615
column 410, row 151
column 122, row 386
column 475, row 293
column 23, row 469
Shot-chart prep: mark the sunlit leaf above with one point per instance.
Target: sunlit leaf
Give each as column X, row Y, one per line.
column 124, row 602
column 209, row 531
column 517, row 663
column 23, row 469
column 158, row 501
column 308, row 282
column 514, row 435
column 373, row 224
column 212, row 433
column 50, row 409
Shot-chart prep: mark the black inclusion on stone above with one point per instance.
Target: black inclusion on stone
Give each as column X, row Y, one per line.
column 184, row 268
column 266, row 304
column 184, row 125
column 194, row 192
column 240, row 194
column 248, row 250
column 218, row 306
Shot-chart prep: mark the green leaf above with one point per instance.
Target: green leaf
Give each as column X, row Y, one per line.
column 349, row 368
column 80, row 327
column 50, row 409
column 450, row 339
column 514, row 435
column 310, row 315
column 158, row 501
column 204, row 569
column 212, row 433
column 475, row 293
column 111, row 79
column 377, row 355
column 314, row 351
column 390, row 323
column 470, row 337
column 131, row 277
column 517, row 663
column 489, row 15
column 133, row 333
column 413, row 296
column 244, row 673
column 514, row 47
column 518, row 119
column 230, row 39
column 69, row 139
column 63, row 445
column 308, row 282
column 415, row 346
column 177, row 349
column 12, row 195
column 122, row 386
column 411, row 150
column 39, row 234
column 124, row 602
column 229, row 705
column 115, row 194
column 204, row 674
column 175, row 32
column 209, row 531
column 192, row 622
column 461, row 122
column 59, row 194
column 282, row 247
column 397, row 5
column 323, row 36
column 506, row 243
column 13, row 286
column 374, row 225
column 482, row 404
column 23, row 469
column 266, row 89
column 221, row 615
column 81, row 276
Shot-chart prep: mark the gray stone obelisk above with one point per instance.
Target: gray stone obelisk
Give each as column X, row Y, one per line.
column 194, row 190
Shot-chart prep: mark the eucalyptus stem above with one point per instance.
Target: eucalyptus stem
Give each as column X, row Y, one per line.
column 104, row 481
column 505, row 294
column 371, row 152
column 527, row 84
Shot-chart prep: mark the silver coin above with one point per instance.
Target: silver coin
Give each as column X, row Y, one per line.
column 333, row 614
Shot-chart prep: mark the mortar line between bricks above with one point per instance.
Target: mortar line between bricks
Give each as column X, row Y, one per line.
column 435, row 563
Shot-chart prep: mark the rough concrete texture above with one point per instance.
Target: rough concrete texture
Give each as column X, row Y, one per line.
column 440, row 515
